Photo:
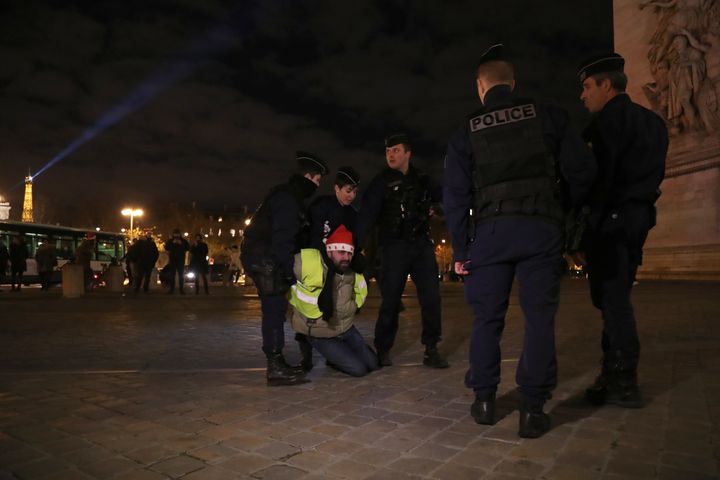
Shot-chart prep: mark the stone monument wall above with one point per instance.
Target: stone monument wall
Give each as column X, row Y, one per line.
column 672, row 60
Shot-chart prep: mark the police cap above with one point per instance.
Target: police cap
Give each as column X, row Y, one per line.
column 608, row 62
column 311, row 162
column 396, row 139
column 347, row 176
column 496, row 53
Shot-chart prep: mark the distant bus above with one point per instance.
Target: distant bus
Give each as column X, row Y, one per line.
column 108, row 245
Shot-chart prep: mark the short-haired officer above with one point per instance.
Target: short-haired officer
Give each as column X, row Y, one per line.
column 399, row 201
column 630, row 144
column 505, row 173
column 269, row 245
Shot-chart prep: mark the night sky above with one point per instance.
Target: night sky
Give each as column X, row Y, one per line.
column 216, row 96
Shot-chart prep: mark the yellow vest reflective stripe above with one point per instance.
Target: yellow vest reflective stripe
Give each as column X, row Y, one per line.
column 306, row 291
column 361, row 290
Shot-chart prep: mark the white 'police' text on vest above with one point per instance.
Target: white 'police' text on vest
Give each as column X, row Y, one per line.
column 502, row 117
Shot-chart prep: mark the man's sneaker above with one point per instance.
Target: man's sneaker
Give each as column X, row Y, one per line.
column 433, row 359
column 384, row 358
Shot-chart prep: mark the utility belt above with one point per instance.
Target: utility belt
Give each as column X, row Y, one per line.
column 268, row 277
column 527, row 206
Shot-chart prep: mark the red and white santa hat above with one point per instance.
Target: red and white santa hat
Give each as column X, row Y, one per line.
column 341, row 240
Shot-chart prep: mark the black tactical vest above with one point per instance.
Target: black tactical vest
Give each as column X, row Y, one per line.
column 515, row 174
column 406, row 204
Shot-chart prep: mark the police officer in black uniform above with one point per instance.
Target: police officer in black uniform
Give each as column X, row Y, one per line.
column 269, row 245
column 511, row 172
column 630, row 143
column 399, row 200
column 326, row 213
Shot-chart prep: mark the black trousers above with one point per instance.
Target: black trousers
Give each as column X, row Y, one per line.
column 525, row 249
column 16, row 278
column 142, row 277
column 45, row 279
column 614, row 254
column 178, row 270
column 400, row 259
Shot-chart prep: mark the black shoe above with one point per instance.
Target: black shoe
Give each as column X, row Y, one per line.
column 295, row 369
column 279, row 373
column 483, row 409
column 623, row 391
column 597, row 392
column 383, row 357
column 433, row 359
column 534, row 423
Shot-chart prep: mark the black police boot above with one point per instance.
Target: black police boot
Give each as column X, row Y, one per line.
column 534, row 423
column 306, row 351
column 483, row 409
column 279, row 373
column 433, row 359
column 296, row 369
column 383, row 357
column 623, row 390
column 597, row 392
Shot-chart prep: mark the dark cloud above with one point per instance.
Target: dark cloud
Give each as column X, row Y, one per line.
column 325, row 76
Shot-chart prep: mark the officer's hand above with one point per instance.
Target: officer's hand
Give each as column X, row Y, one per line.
column 579, row 259
column 460, row 268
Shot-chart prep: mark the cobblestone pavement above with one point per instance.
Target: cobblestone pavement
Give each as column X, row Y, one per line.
column 157, row 387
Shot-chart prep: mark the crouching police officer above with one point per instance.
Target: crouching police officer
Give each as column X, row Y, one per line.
column 270, row 242
column 630, row 143
column 505, row 174
column 399, row 200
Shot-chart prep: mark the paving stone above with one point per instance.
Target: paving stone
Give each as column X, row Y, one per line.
column 212, row 453
column 211, row 473
column 142, row 475
column 279, row 472
column 178, row 466
column 311, row 460
column 109, row 467
column 350, row 469
column 41, row 468
column 414, row 465
column 245, row 463
column 453, row 471
column 278, row 450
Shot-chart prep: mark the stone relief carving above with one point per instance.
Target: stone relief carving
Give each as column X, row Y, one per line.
column 684, row 58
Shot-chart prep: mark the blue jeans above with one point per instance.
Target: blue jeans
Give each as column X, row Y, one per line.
column 347, row 352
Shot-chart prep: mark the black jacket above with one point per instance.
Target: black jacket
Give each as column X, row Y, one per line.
column 326, row 214
column 576, row 166
column 177, row 248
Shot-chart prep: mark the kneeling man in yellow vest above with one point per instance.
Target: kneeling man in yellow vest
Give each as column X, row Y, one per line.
column 325, row 298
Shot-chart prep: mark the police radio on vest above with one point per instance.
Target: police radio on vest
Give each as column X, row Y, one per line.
column 502, row 117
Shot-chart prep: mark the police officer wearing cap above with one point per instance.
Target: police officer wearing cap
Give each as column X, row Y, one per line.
column 326, row 213
column 269, row 245
column 399, row 201
column 511, row 172
column 630, row 144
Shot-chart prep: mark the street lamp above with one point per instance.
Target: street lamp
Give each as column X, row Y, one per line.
column 132, row 213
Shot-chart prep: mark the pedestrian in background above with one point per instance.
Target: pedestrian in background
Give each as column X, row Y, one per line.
column 146, row 257
column 46, row 260
column 199, row 263
column 4, row 261
column 83, row 256
column 177, row 247
column 18, row 262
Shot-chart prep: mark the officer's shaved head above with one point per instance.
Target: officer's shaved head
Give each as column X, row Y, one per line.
column 496, row 72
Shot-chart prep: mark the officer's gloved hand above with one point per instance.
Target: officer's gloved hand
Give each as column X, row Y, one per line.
column 358, row 263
